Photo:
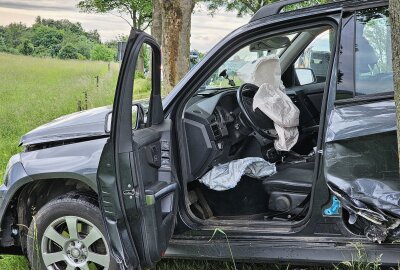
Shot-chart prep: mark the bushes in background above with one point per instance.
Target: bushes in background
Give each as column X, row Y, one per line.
column 55, row 38
column 102, row 53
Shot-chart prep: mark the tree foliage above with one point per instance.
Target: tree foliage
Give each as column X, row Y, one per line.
column 68, row 52
column 102, row 53
column 26, row 48
column 139, row 11
column 250, row 7
column 53, row 38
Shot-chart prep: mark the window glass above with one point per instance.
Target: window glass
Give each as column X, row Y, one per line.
column 226, row 75
column 142, row 87
column 345, row 80
column 315, row 57
column 373, row 52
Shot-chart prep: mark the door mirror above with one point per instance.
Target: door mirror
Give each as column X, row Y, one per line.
column 107, row 126
column 305, row 76
column 138, row 118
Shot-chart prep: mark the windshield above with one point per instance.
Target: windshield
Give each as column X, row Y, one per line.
column 226, row 75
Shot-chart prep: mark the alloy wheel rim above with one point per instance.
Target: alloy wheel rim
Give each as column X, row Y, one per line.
column 73, row 243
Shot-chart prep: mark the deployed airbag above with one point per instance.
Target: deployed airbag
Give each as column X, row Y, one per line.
column 272, row 100
column 226, row 176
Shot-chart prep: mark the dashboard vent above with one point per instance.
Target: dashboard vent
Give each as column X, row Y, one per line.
column 216, row 131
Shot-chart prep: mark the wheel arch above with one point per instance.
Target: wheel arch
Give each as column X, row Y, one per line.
column 29, row 197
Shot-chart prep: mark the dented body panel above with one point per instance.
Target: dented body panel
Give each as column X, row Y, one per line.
column 360, row 120
column 361, row 163
column 76, row 126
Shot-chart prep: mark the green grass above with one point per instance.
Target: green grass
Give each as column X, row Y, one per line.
column 34, row 91
column 13, row 263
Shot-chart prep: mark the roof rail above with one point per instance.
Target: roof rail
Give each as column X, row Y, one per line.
column 276, row 8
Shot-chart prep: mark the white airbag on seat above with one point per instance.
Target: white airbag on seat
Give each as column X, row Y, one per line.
column 226, row 176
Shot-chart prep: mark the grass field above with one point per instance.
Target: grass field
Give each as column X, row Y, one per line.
column 34, row 91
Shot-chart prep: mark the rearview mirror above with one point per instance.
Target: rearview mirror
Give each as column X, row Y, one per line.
column 305, row 76
column 138, row 118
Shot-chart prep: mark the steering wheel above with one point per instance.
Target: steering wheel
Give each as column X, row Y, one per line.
column 255, row 120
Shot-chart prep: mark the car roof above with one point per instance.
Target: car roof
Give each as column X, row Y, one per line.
column 274, row 9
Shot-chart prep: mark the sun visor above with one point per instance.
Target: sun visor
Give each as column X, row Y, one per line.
column 269, row 44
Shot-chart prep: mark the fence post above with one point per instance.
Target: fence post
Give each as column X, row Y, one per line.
column 79, row 103
column 86, row 100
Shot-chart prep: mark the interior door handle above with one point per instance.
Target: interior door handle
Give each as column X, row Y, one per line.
column 159, row 191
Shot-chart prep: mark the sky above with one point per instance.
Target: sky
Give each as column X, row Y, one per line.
column 206, row 30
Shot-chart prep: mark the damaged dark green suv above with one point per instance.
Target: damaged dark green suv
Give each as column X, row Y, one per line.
column 284, row 137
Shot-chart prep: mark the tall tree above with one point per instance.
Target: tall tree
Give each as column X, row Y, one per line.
column 176, row 25
column 156, row 27
column 394, row 10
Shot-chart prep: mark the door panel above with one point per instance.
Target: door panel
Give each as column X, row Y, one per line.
column 136, row 179
column 151, row 168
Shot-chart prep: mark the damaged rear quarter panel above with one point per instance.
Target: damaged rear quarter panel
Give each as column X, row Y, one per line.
column 361, row 157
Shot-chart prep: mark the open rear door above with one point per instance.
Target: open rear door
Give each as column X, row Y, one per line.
column 137, row 187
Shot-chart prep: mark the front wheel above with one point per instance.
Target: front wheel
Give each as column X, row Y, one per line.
column 68, row 234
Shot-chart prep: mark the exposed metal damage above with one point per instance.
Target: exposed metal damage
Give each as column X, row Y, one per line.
column 362, row 168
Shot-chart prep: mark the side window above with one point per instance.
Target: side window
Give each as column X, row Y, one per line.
column 365, row 56
column 315, row 57
column 142, row 87
column 373, row 52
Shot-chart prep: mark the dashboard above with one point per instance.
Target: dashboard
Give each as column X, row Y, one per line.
column 214, row 130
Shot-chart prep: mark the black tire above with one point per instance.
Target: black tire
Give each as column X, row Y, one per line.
column 69, row 205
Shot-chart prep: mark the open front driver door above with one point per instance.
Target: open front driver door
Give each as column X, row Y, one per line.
column 137, row 187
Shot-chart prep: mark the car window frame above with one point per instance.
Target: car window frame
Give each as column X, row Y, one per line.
column 351, row 15
column 297, row 83
column 223, row 51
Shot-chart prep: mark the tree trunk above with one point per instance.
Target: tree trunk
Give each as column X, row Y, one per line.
column 156, row 28
column 394, row 9
column 176, row 40
column 140, row 62
column 156, row 25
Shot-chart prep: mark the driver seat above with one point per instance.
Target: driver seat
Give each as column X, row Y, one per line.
column 289, row 188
